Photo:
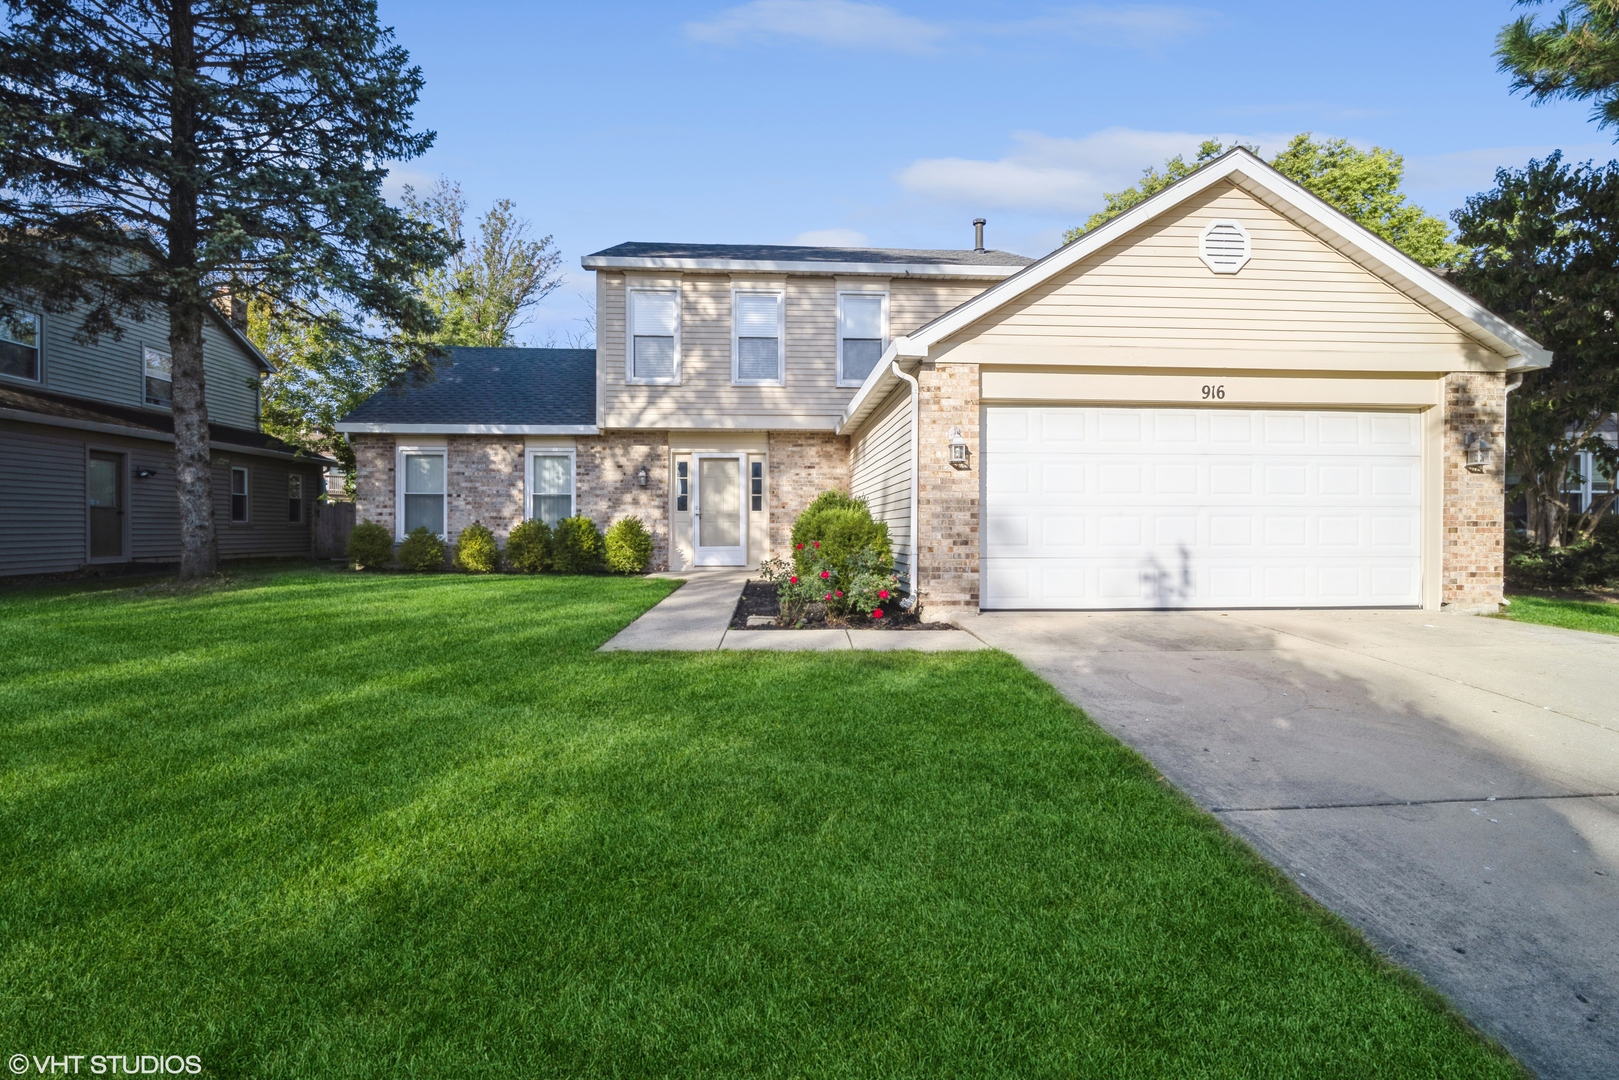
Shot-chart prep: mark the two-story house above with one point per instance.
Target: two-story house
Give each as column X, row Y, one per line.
column 1229, row 396
column 87, row 449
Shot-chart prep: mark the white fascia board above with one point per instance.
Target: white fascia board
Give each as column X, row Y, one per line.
column 1521, row 350
column 762, row 266
column 468, row 429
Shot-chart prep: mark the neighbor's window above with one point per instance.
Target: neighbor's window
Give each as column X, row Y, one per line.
column 238, row 494
column 682, row 486
column 19, row 346
column 861, row 334
column 424, row 492
column 756, row 337
column 552, row 498
column 756, row 481
column 654, row 335
column 159, row 377
column 295, row 498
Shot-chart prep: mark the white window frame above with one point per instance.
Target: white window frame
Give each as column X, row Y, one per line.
column 629, row 334
column 39, row 349
column 247, row 496
column 781, row 338
column 842, row 380
column 146, row 401
column 528, row 477
column 439, row 449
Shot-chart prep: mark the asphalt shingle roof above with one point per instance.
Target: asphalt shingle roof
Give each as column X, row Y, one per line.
column 795, row 253
column 492, row 386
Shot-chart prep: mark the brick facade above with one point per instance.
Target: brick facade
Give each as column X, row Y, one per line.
column 608, row 486
column 374, row 479
column 948, row 497
column 485, row 483
column 1474, row 504
column 802, row 465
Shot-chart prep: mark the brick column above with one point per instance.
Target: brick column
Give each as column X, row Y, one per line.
column 948, row 499
column 374, row 479
column 802, row 465
column 1474, row 505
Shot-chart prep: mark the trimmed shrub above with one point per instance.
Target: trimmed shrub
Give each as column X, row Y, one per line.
column 576, row 546
column 528, row 548
column 370, row 546
column 421, row 551
column 628, row 546
column 833, row 530
column 475, row 549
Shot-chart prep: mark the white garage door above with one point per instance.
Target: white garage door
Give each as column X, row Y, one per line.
column 1172, row 508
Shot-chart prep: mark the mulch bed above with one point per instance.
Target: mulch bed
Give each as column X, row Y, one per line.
column 759, row 598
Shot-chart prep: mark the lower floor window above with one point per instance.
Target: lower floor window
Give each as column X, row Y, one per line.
column 238, row 494
column 295, row 498
column 424, row 492
column 551, row 497
column 756, row 481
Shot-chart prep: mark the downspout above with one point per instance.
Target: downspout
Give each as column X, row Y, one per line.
column 916, row 475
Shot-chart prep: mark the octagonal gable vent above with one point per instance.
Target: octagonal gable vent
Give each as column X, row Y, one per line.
column 1225, row 247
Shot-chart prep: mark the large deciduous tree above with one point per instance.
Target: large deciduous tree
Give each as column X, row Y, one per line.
column 1544, row 254
column 494, row 278
column 1363, row 184
column 156, row 152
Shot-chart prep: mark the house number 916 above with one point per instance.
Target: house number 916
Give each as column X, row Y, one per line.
column 1214, row 392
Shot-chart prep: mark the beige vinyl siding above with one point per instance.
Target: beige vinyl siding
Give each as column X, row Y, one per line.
column 880, row 470
column 111, row 369
column 705, row 398
column 1149, row 301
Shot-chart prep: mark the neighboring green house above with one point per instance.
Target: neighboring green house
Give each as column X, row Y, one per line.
column 86, row 449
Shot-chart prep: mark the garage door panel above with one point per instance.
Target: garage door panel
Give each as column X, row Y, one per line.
column 1201, row 508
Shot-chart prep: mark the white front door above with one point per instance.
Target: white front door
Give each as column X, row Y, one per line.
column 1201, row 508
column 717, row 517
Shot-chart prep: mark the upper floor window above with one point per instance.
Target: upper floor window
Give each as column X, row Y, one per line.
column 19, row 346
column 654, row 336
column 756, row 337
column 159, row 370
column 862, row 335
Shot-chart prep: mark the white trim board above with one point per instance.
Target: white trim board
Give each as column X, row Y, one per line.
column 762, row 266
column 468, row 429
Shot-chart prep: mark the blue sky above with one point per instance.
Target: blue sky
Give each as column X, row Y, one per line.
column 895, row 124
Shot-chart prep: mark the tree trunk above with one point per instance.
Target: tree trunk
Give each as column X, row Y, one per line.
column 193, row 466
column 1546, row 516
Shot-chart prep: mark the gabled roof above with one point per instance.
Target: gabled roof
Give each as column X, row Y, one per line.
column 489, row 391
column 799, row 259
column 1269, row 186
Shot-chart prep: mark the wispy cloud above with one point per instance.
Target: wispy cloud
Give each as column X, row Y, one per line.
column 838, row 23
column 1045, row 174
column 850, row 25
column 833, row 238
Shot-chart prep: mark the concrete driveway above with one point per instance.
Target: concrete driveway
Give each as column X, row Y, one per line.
column 1448, row 784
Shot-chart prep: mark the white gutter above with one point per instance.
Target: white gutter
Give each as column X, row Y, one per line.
column 916, row 476
column 772, row 266
column 467, row 429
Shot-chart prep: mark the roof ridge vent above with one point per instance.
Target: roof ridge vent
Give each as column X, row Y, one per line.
column 1225, row 246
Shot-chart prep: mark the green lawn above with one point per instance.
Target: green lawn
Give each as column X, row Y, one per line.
column 322, row 824
column 1571, row 614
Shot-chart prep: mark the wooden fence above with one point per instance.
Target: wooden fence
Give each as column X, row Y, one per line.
column 333, row 523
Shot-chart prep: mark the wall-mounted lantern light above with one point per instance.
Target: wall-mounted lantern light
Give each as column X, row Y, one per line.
column 1478, row 452
column 641, row 477
column 142, row 474
column 958, row 450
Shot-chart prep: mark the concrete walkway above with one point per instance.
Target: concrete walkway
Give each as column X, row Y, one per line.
column 697, row 616
column 1448, row 784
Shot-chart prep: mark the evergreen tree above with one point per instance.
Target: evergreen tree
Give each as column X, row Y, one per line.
column 159, row 152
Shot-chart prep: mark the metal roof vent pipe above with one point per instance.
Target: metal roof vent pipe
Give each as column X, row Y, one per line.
column 978, row 233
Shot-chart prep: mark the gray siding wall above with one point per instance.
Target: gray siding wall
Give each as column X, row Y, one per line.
column 110, row 370
column 43, row 501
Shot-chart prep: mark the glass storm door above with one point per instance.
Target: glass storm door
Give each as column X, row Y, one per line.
column 717, row 521
column 105, row 489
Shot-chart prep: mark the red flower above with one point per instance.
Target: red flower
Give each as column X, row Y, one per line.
column 829, row 596
column 792, row 581
column 800, row 547
column 840, row 594
column 825, row 574
column 877, row 614
column 817, row 545
column 882, row 594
